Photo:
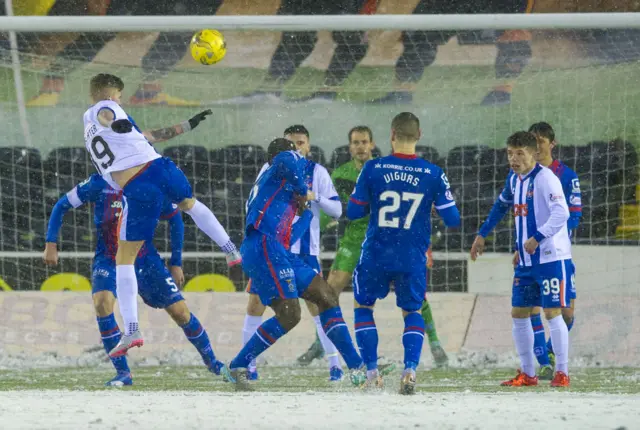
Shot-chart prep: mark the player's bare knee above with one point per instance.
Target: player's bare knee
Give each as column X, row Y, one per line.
column 103, row 303
column 520, row 312
column 288, row 313
column 187, row 204
column 552, row 313
column 255, row 308
column 179, row 312
column 127, row 252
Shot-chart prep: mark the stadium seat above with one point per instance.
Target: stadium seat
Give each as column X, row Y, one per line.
column 4, row 286
column 194, row 161
column 71, row 163
column 66, row 282
column 429, row 153
column 242, row 163
column 210, row 282
column 339, row 156
column 317, row 155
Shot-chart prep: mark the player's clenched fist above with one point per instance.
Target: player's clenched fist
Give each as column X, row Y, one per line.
column 516, row 259
column 50, row 256
column 477, row 248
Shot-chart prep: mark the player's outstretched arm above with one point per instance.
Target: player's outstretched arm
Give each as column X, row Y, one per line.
column 162, row 134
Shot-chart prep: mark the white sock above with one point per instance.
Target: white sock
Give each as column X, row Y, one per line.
column 330, row 349
column 251, row 324
column 523, row 338
column 560, row 340
column 127, row 291
column 207, row 222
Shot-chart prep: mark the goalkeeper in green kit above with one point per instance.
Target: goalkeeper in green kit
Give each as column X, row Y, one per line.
column 344, row 178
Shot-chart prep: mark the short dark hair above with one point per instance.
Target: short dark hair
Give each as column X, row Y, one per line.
column 543, row 129
column 279, row 145
column 407, row 126
column 102, row 81
column 522, row 139
column 297, row 129
column 361, row 129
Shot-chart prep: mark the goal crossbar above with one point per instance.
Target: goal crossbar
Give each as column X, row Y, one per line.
column 326, row 22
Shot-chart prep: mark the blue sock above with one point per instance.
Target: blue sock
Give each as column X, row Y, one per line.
column 337, row 331
column 367, row 337
column 539, row 341
column 198, row 337
column 412, row 339
column 569, row 326
column 266, row 335
column 110, row 334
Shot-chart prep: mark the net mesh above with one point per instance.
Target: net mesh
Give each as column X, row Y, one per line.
column 470, row 90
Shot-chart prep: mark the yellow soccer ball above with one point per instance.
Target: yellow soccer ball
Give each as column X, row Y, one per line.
column 208, row 47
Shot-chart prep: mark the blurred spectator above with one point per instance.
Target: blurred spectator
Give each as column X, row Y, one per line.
column 295, row 47
column 166, row 51
column 421, row 47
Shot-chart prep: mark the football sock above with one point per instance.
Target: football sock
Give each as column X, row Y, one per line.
column 523, row 337
column 539, row 340
column 198, row 337
column 127, row 291
column 429, row 325
column 560, row 339
column 336, row 329
column 330, row 349
column 367, row 337
column 569, row 326
column 412, row 339
column 265, row 336
column 110, row 334
column 208, row 223
column 251, row 324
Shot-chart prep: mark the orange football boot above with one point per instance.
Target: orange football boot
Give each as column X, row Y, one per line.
column 521, row 380
column 561, row 380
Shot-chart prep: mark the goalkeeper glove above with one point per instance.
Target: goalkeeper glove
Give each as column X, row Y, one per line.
column 195, row 120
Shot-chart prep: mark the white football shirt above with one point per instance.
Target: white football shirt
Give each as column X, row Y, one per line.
column 111, row 151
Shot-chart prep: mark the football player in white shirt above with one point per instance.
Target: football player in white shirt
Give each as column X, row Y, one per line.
column 543, row 271
column 123, row 155
column 323, row 196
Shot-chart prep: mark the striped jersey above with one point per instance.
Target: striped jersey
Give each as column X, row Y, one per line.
column 540, row 210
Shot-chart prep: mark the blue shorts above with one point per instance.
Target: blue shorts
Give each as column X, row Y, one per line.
column 155, row 284
column 371, row 283
column 145, row 194
column 275, row 273
column 550, row 285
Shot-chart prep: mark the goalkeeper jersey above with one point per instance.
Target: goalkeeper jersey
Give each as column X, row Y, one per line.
column 344, row 179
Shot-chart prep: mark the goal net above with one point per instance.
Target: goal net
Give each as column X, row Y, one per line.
column 470, row 88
